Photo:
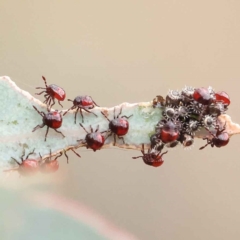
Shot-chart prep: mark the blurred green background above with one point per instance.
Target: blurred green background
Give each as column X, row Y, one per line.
column 130, row 51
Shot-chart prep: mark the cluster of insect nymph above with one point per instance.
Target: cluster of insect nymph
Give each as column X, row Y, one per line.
column 183, row 114
column 94, row 139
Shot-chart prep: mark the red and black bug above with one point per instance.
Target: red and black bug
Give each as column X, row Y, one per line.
column 169, row 132
column 49, row 165
column 94, row 139
column 203, row 95
column 220, row 139
column 51, row 120
column 52, row 92
column 28, row 166
column 118, row 126
column 82, row 103
column 152, row 157
column 222, row 97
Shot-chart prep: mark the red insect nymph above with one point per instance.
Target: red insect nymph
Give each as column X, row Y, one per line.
column 51, row 120
column 94, row 139
column 203, row 96
column 223, row 97
column 49, row 165
column 152, row 157
column 169, row 132
column 118, row 126
column 82, row 103
column 27, row 166
column 52, row 92
column 220, row 139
